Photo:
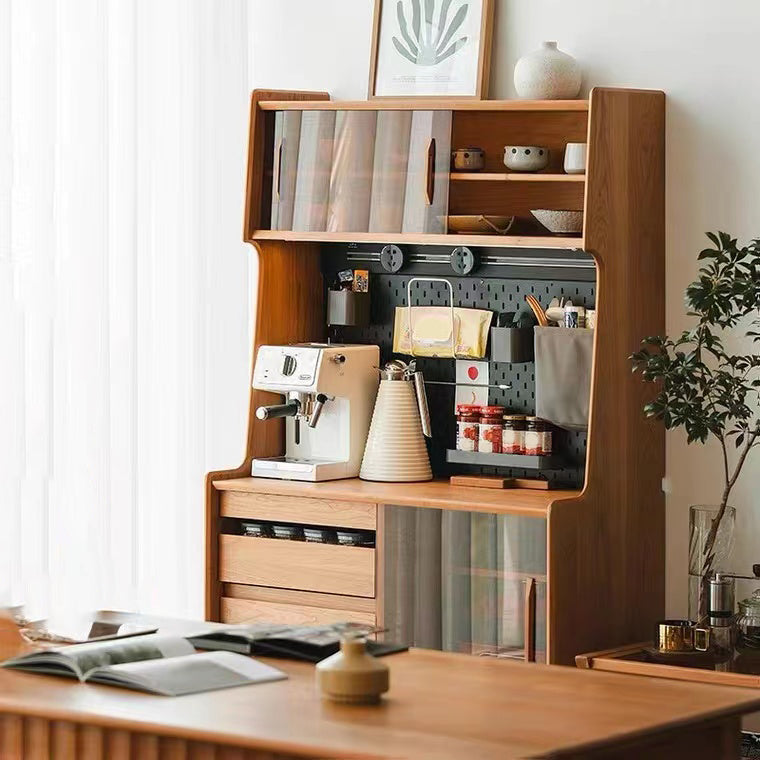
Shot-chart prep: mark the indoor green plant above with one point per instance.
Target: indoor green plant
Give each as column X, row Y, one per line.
column 704, row 388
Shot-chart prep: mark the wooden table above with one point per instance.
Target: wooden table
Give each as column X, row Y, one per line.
column 440, row 706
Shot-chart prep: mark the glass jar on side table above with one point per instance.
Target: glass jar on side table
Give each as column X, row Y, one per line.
column 748, row 624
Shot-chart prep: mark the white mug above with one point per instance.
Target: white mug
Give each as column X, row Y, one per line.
column 575, row 158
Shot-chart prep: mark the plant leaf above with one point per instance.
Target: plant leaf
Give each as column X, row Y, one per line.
column 401, row 49
column 416, row 21
column 442, row 19
column 429, row 8
column 458, row 45
column 456, row 22
column 404, row 29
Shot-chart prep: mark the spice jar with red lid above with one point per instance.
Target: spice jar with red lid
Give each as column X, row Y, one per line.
column 468, row 426
column 491, row 429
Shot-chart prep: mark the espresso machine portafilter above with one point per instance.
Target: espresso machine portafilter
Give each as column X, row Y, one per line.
column 303, row 407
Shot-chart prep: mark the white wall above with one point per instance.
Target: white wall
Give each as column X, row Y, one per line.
column 700, row 52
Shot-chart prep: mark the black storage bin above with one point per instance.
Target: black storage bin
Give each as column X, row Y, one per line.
column 346, row 307
column 512, row 344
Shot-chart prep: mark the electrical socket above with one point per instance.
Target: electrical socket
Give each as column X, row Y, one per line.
column 462, row 260
column 391, row 258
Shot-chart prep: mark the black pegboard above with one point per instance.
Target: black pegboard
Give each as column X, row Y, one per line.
column 496, row 294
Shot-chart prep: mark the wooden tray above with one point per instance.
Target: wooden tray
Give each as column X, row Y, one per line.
column 633, row 659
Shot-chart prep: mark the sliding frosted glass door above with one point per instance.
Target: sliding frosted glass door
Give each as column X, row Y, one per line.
column 287, row 138
column 315, row 153
column 351, row 172
column 465, row 581
column 361, row 171
column 426, row 199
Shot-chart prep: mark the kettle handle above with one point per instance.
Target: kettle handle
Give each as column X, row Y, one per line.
column 422, row 404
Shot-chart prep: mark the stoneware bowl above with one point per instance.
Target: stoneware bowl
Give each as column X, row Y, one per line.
column 560, row 222
column 469, row 159
column 526, row 158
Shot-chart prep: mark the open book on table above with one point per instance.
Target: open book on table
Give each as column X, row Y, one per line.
column 155, row 663
column 309, row 643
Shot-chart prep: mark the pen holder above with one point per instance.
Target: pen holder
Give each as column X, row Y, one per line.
column 512, row 344
column 346, row 307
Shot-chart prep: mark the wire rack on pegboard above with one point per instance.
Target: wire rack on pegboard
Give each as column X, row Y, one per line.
column 389, row 291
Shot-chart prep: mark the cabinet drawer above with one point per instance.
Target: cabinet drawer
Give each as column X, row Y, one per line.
column 247, row 611
column 263, row 506
column 331, row 569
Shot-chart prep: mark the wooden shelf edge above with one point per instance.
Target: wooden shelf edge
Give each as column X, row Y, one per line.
column 435, row 494
column 492, row 241
column 424, row 104
column 514, row 177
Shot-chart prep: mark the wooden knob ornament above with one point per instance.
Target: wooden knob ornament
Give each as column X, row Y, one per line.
column 352, row 675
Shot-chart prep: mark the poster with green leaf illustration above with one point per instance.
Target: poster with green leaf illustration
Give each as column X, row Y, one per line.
column 431, row 48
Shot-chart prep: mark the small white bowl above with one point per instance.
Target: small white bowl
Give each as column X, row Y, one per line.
column 526, row 158
column 560, row 222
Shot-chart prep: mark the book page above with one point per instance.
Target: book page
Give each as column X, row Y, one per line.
column 189, row 674
column 102, row 653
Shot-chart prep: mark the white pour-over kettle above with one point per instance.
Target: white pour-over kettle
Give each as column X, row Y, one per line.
column 396, row 450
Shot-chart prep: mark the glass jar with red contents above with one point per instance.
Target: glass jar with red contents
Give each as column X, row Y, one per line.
column 468, row 426
column 513, row 440
column 491, row 429
column 538, row 437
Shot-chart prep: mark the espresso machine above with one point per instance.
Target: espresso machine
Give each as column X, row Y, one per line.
column 329, row 393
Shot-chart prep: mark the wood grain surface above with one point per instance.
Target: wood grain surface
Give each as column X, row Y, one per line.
column 267, row 506
column 332, row 569
column 439, row 706
column 606, row 560
column 411, row 104
column 434, row 493
column 246, row 611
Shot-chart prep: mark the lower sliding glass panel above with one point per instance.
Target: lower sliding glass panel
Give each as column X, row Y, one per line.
column 465, row 581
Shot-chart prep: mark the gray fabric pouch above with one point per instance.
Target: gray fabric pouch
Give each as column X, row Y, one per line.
column 563, row 375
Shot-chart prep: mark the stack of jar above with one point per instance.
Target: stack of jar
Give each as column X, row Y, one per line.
column 488, row 429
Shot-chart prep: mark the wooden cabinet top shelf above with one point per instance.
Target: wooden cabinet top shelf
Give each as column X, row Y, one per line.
column 435, row 493
column 423, row 104
column 515, row 177
column 500, row 241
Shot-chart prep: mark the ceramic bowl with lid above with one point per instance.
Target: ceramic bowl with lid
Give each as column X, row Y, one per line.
column 468, row 159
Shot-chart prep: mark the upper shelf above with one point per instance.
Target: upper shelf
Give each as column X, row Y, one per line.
column 514, row 177
column 494, row 241
column 434, row 493
column 423, row 104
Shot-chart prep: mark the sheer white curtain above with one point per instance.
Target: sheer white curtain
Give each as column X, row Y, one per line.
column 124, row 294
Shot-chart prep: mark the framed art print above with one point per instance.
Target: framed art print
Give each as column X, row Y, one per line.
column 431, row 49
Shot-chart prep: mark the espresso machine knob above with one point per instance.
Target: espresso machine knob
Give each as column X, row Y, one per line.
column 288, row 365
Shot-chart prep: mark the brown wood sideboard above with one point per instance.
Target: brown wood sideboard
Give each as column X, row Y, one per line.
column 598, row 575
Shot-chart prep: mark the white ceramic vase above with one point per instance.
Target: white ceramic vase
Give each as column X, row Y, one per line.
column 548, row 74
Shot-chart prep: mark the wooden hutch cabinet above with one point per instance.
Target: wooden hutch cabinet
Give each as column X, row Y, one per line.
column 539, row 574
